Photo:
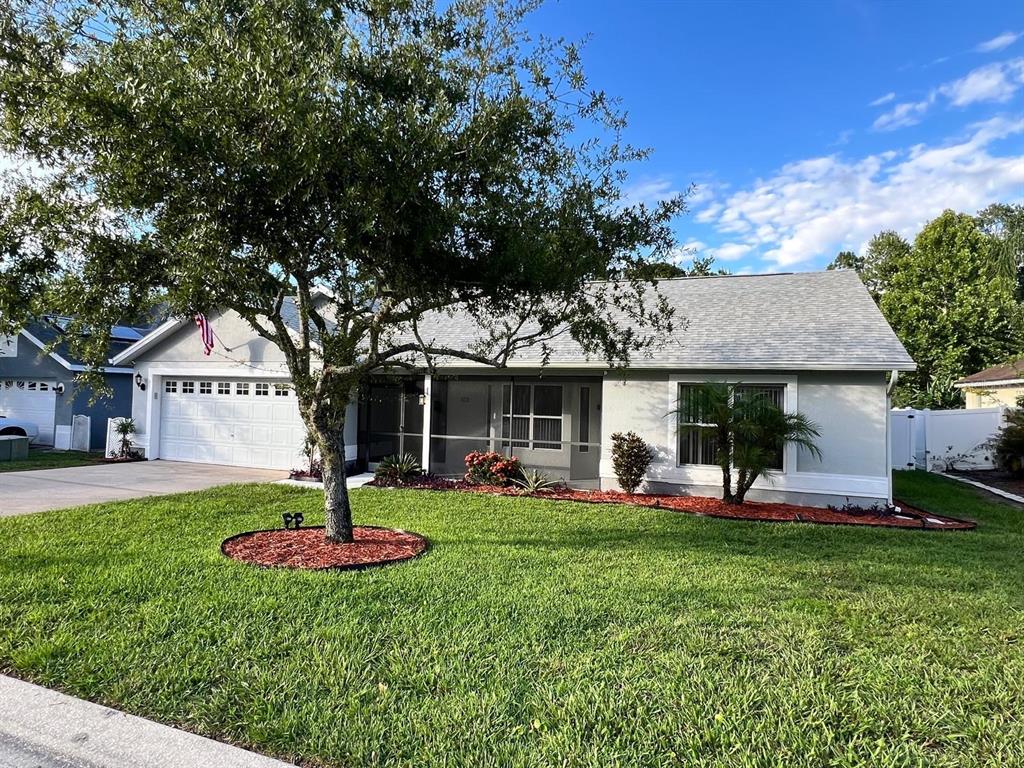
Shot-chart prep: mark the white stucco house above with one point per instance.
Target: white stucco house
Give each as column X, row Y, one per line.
column 815, row 342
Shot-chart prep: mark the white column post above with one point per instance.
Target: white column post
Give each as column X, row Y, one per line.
column 152, row 394
column 427, row 411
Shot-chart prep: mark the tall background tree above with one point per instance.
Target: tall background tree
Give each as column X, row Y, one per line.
column 1004, row 223
column 334, row 171
column 953, row 296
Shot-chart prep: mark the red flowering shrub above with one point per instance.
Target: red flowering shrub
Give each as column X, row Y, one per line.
column 491, row 468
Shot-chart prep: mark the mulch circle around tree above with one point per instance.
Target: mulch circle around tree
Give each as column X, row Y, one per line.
column 309, row 549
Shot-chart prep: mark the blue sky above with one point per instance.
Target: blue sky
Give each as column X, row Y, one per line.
column 810, row 126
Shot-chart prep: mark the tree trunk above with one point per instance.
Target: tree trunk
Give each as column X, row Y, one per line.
column 727, row 496
column 337, row 511
column 745, row 482
column 725, row 461
column 741, row 488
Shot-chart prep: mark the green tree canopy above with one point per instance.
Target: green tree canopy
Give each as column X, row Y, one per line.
column 357, row 163
column 1004, row 223
column 847, row 260
column 950, row 305
column 700, row 266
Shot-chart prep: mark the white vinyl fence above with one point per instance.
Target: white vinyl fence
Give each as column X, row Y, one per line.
column 941, row 440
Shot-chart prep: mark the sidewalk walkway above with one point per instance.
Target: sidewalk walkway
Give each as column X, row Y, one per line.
column 40, row 728
column 352, row 481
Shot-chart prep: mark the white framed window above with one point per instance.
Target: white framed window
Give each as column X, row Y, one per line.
column 43, row 386
column 223, row 387
column 205, row 387
column 188, row 387
column 700, row 446
column 262, row 389
column 170, row 386
column 281, row 390
column 531, row 416
column 242, row 388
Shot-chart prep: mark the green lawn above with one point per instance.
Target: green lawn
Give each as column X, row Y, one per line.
column 47, row 459
column 538, row 633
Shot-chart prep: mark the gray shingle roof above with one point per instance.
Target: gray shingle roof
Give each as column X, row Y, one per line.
column 808, row 320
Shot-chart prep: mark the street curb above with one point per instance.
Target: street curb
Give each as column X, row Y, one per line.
column 56, row 729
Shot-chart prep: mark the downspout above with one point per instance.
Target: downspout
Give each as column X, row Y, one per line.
column 893, row 378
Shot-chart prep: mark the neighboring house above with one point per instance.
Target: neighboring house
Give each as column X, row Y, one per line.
column 814, row 342
column 40, row 386
column 995, row 386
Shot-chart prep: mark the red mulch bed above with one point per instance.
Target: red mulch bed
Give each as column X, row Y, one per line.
column 908, row 517
column 309, row 549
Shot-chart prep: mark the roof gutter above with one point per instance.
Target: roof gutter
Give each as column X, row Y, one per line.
column 888, row 431
column 892, row 381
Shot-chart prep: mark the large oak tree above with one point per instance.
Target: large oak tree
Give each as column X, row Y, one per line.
column 331, row 170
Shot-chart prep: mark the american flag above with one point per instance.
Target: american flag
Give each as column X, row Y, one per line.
column 206, row 332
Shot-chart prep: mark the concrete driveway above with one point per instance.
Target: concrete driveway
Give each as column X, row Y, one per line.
column 43, row 489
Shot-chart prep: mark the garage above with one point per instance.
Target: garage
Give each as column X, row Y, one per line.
column 33, row 400
column 241, row 422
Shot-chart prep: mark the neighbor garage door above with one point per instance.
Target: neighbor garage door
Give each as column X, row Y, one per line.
column 30, row 400
column 247, row 423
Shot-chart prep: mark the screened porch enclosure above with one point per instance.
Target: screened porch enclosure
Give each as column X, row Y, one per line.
column 551, row 424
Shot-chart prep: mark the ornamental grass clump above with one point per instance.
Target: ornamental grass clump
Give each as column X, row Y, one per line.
column 492, row 468
column 631, row 457
column 398, row 470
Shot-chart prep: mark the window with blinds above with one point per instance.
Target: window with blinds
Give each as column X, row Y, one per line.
column 700, row 446
column 696, row 445
column 531, row 416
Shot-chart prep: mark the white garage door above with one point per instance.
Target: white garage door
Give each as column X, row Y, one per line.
column 219, row 421
column 30, row 400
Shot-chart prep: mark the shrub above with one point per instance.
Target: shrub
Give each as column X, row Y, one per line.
column 631, row 457
column 533, row 480
column 125, row 430
column 397, row 470
column 491, row 468
column 1008, row 444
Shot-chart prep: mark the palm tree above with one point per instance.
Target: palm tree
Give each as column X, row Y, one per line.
column 749, row 432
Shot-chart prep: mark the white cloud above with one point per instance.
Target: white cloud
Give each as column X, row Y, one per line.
column 813, row 208
column 731, row 251
column 996, row 82
column 902, row 115
column 649, row 191
column 998, row 42
column 890, row 96
column 708, row 213
column 992, row 82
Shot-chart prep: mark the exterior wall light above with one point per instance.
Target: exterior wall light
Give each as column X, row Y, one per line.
column 139, row 382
